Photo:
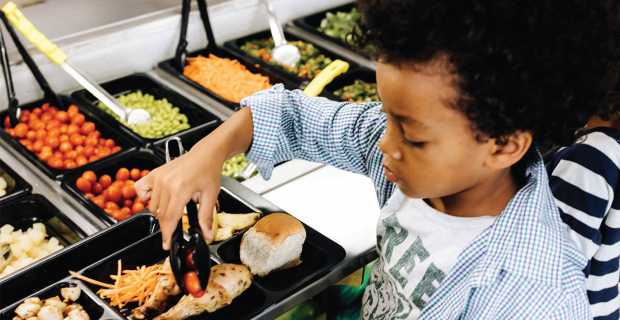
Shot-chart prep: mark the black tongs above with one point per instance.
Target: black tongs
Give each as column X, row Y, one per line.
column 193, row 255
column 50, row 95
column 181, row 52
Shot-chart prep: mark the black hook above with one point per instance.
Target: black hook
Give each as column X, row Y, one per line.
column 14, row 111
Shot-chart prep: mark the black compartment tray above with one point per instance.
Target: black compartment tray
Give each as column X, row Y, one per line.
column 168, row 66
column 52, row 269
column 198, row 117
column 94, row 307
column 16, row 185
column 312, row 22
column 235, row 46
column 107, row 132
column 319, row 254
column 347, row 79
column 142, row 160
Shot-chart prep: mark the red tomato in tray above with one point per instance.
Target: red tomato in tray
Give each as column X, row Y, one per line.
column 192, row 284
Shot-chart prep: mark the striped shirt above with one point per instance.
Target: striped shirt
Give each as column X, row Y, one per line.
column 523, row 266
column 584, row 181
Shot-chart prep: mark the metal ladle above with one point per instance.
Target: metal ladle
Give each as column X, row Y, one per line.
column 284, row 53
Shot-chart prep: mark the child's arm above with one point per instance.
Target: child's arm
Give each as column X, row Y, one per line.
column 583, row 179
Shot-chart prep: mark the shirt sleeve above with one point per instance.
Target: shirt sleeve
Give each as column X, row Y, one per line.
column 584, row 179
column 290, row 125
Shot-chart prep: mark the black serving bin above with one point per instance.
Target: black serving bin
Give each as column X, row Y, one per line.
column 16, row 186
column 198, row 117
column 235, row 46
column 107, row 132
column 274, row 78
column 54, row 269
column 312, row 22
column 347, row 79
column 142, row 160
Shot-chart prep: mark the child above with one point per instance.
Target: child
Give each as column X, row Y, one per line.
column 469, row 228
column 584, row 181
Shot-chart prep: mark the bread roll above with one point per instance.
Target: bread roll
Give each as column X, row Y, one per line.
column 273, row 243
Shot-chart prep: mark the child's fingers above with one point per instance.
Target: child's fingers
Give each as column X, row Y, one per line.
column 205, row 215
column 170, row 218
column 144, row 187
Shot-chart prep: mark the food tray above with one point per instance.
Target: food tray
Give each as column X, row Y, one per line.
column 168, row 66
column 58, row 174
column 312, row 22
column 53, row 269
column 16, row 185
column 141, row 160
column 197, row 116
column 235, row 46
column 319, row 254
column 346, row 79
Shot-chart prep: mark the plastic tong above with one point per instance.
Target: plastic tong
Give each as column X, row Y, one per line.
column 181, row 52
column 193, row 255
column 49, row 94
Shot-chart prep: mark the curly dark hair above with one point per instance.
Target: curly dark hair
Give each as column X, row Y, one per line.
column 542, row 66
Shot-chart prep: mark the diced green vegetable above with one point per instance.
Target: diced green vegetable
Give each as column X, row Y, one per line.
column 359, row 91
column 235, row 165
column 339, row 25
column 311, row 63
column 165, row 118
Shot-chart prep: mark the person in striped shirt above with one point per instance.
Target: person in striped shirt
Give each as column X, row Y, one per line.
column 584, row 181
column 468, row 227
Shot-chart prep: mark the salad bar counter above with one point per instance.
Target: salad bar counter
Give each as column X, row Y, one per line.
column 72, row 229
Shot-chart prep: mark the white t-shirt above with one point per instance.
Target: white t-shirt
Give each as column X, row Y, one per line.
column 418, row 246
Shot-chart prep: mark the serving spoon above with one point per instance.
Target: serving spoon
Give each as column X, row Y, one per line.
column 284, row 53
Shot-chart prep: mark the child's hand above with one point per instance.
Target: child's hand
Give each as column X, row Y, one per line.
column 195, row 176
column 171, row 186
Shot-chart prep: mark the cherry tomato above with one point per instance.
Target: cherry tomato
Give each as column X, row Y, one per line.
column 21, row 129
column 71, row 155
column 88, row 151
column 10, row 132
column 72, row 129
column 144, row 173
column 137, row 207
column 81, row 160
column 63, row 128
column 89, row 195
column 99, row 201
column 65, row 147
column 192, row 284
column 115, row 149
column 128, row 203
column 105, row 181
column 62, row 116
column 93, row 158
column 135, row 174
column 95, row 134
column 63, row 138
column 111, row 205
column 97, row 188
column 45, row 117
column 79, row 150
column 122, row 174
column 45, row 155
column 118, row 184
column 37, row 125
column 72, row 110
column 117, row 214
column 128, row 191
column 88, row 127
column 52, row 110
column 90, row 176
column 53, row 124
column 37, row 146
column 41, row 134
column 55, row 162
column 92, row 142
column 31, row 135
column 26, row 143
column 104, row 194
column 32, row 117
column 76, row 139
column 54, row 132
column 46, row 149
column 69, row 164
column 114, row 193
column 110, row 143
column 59, row 154
column 45, row 106
column 52, row 142
column 78, row 119
column 189, row 262
column 83, row 184
column 126, row 211
column 24, row 118
column 101, row 142
column 7, row 122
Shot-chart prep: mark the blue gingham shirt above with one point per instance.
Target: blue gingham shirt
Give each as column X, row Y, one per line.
column 523, row 266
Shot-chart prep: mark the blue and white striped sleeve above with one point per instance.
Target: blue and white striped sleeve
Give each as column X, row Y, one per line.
column 290, row 125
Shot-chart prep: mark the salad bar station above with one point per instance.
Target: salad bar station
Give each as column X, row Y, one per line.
column 75, row 240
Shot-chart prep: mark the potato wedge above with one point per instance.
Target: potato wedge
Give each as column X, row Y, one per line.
column 237, row 221
column 223, row 233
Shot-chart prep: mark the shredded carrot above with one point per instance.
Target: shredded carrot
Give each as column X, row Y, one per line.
column 129, row 285
column 228, row 78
